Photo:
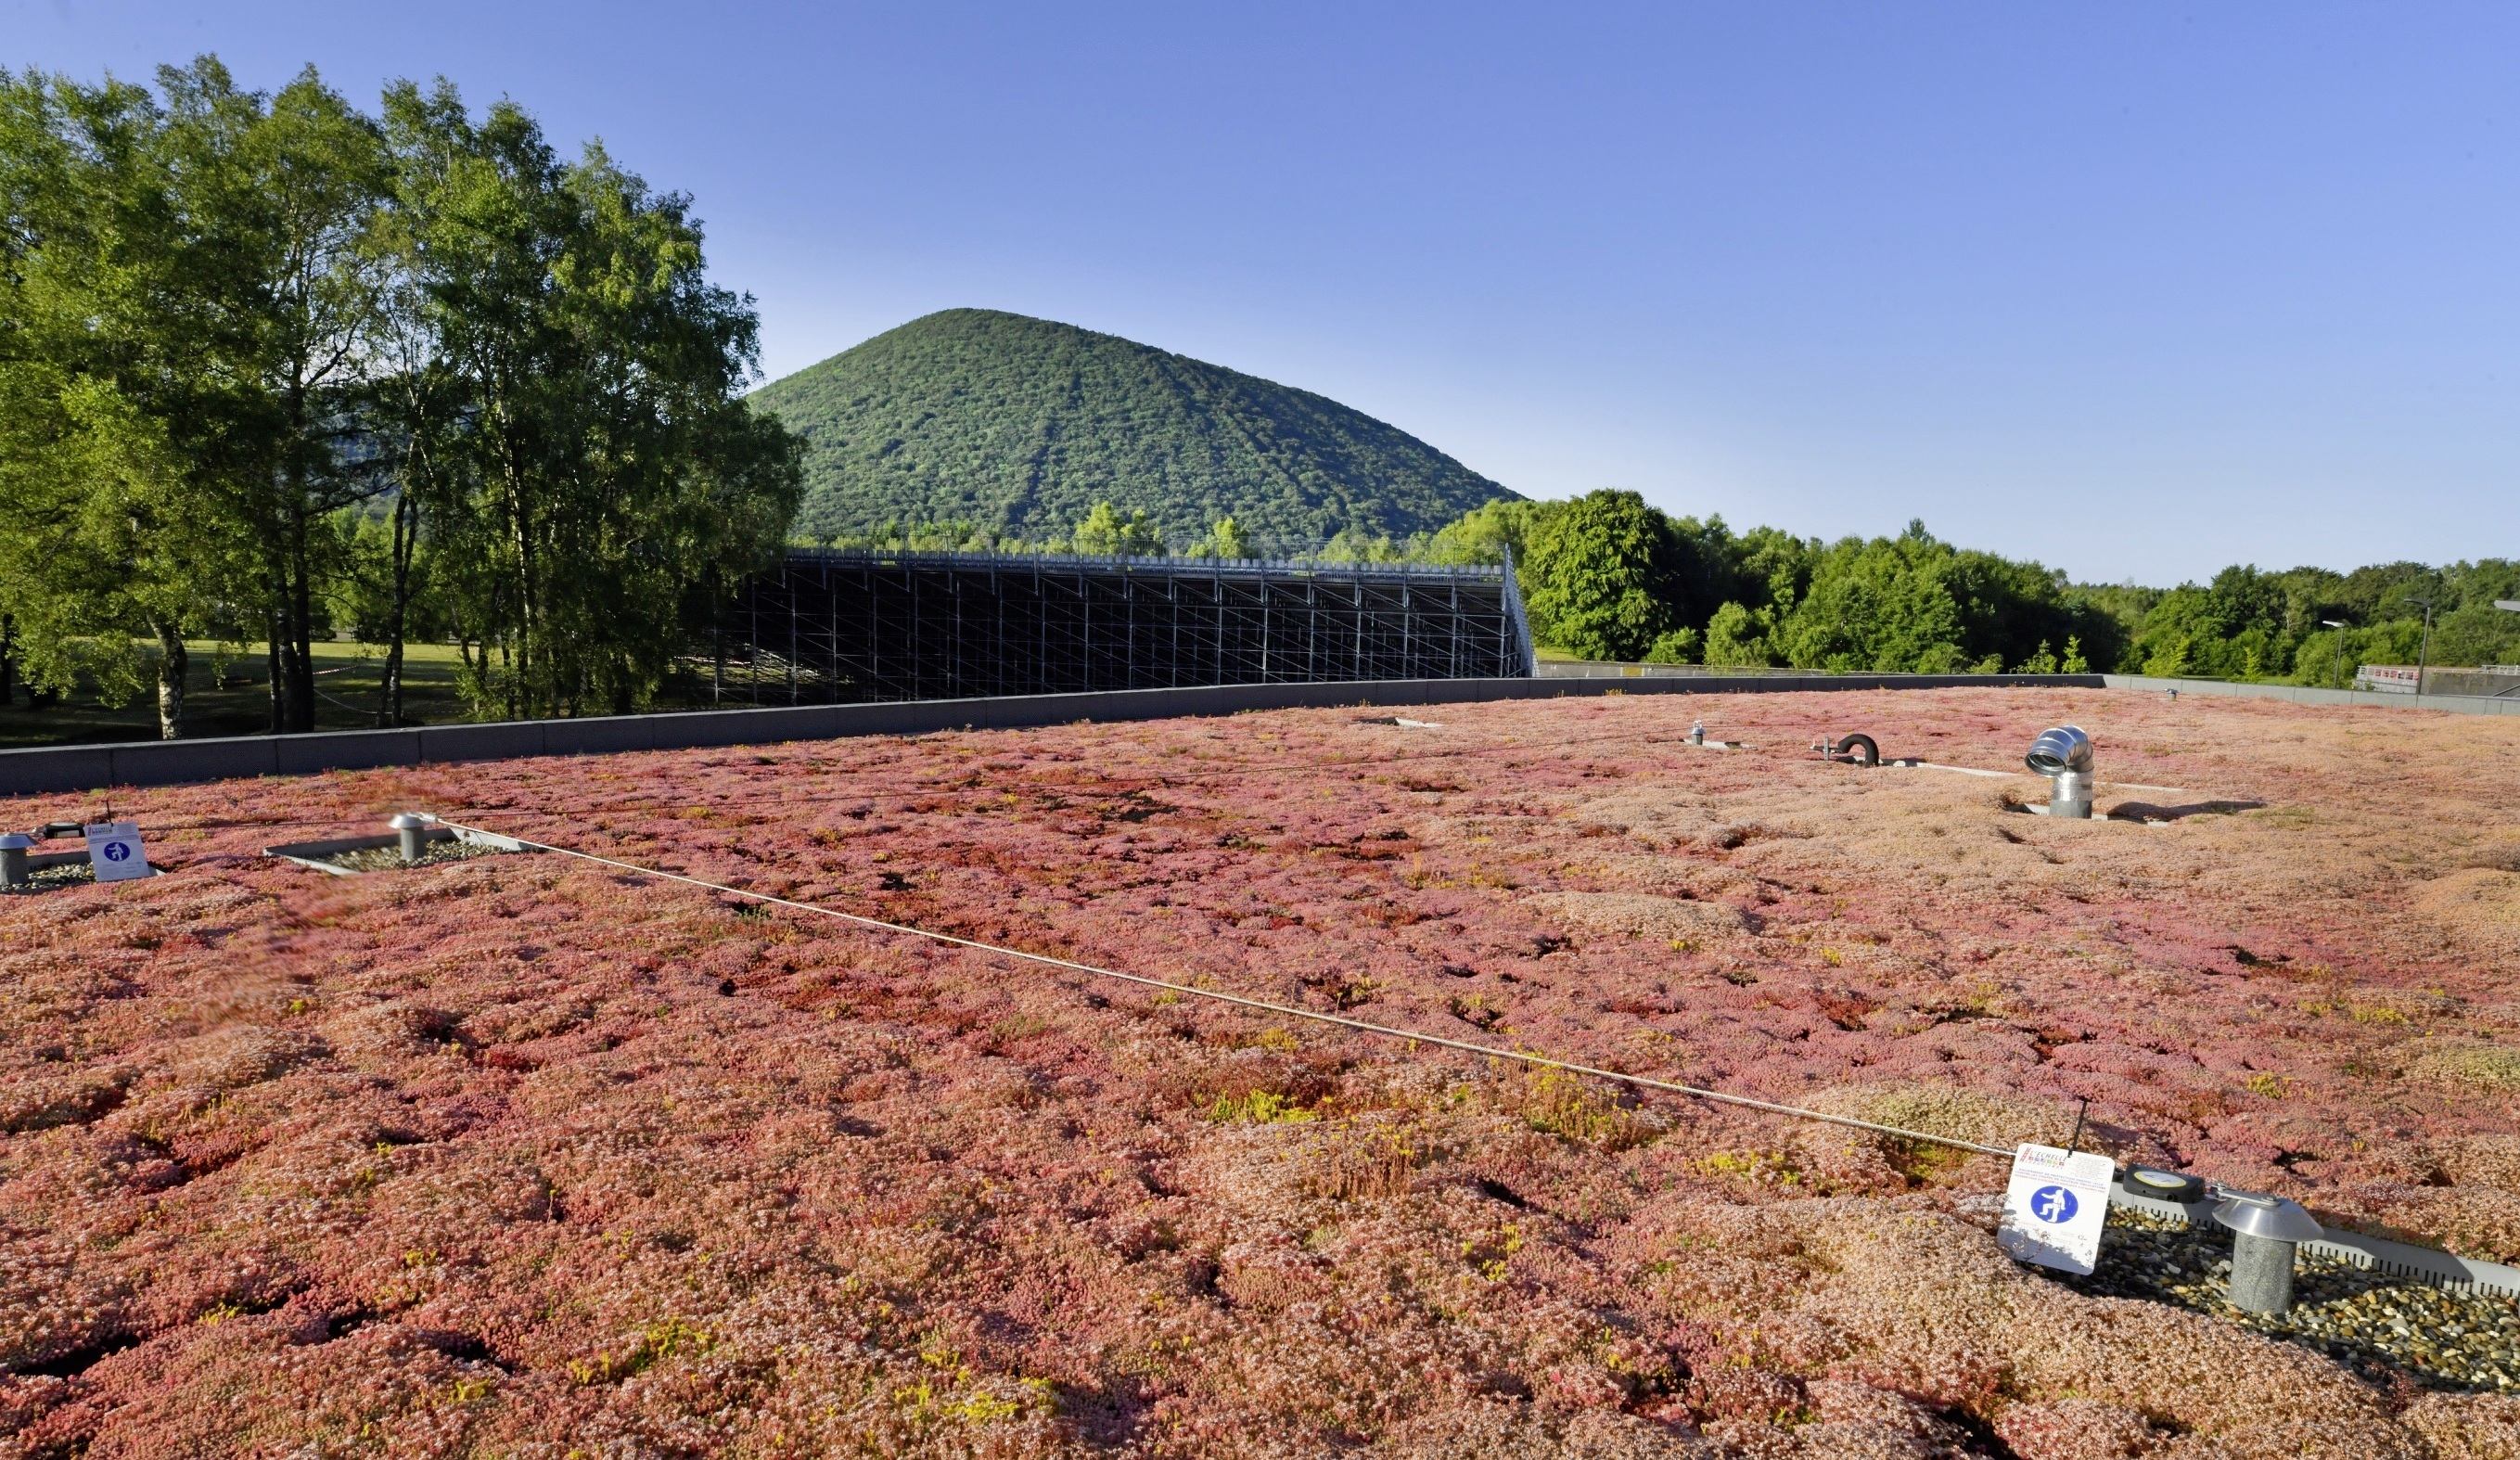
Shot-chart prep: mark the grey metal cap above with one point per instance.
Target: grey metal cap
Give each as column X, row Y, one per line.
column 15, row 841
column 410, row 821
column 2276, row 1217
column 2065, row 748
column 2164, row 1186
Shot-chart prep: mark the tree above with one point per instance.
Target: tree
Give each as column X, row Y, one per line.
column 1599, row 576
column 1679, row 646
column 1104, row 532
column 261, row 354
column 415, row 414
column 1492, row 532
column 2168, row 659
column 119, row 427
column 307, row 176
column 597, row 482
column 1772, row 570
column 1882, row 605
column 1737, row 638
column 1224, row 540
column 1915, row 603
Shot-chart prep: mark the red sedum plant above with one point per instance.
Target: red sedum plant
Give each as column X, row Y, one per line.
column 523, row 1155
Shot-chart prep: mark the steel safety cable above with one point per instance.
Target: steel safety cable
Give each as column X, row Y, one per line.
column 1288, row 1010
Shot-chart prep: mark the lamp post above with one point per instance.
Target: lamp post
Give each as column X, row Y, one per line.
column 2423, row 659
column 2337, row 675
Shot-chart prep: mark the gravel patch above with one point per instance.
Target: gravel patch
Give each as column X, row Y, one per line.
column 389, row 859
column 47, row 879
column 2379, row 1325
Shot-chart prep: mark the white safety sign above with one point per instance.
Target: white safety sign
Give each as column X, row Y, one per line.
column 2055, row 1206
column 114, row 849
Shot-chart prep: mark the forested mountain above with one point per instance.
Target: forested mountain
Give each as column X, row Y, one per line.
column 1018, row 426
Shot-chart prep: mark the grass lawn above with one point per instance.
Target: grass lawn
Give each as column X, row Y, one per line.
column 234, row 697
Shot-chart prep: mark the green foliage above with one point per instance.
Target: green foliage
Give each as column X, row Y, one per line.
column 1737, row 638
column 1489, row 532
column 605, row 480
column 1353, row 546
column 1915, row 603
column 2252, row 624
column 1603, row 576
column 263, row 357
column 1884, row 604
column 1226, row 539
column 1021, row 425
column 363, row 598
column 1680, row 646
column 126, row 433
column 1608, row 576
column 933, row 537
column 1105, row 533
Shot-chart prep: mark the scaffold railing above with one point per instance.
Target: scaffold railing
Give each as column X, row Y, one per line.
column 852, row 625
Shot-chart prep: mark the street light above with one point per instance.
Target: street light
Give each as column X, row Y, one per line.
column 2424, row 657
column 2337, row 678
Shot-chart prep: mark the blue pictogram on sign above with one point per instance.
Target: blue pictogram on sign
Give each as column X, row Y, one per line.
column 2053, row 1204
column 117, row 851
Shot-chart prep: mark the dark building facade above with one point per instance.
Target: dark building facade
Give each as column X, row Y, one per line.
column 845, row 626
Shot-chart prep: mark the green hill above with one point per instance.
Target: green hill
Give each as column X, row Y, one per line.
column 1020, row 426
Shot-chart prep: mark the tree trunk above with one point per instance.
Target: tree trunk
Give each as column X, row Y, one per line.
column 173, row 660
column 528, row 627
column 302, row 622
column 279, row 717
column 522, row 699
column 405, row 530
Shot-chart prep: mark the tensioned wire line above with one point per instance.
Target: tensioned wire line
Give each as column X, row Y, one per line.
column 1288, row 1010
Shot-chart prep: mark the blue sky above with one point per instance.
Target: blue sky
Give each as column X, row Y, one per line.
column 2138, row 290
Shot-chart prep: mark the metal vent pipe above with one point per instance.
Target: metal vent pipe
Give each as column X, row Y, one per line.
column 2265, row 1233
column 414, row 830
column 2063, row 755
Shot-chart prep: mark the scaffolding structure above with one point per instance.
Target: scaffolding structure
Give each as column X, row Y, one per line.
column 847, row 627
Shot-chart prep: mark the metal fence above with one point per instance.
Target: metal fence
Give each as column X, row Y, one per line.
column 847, row 627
